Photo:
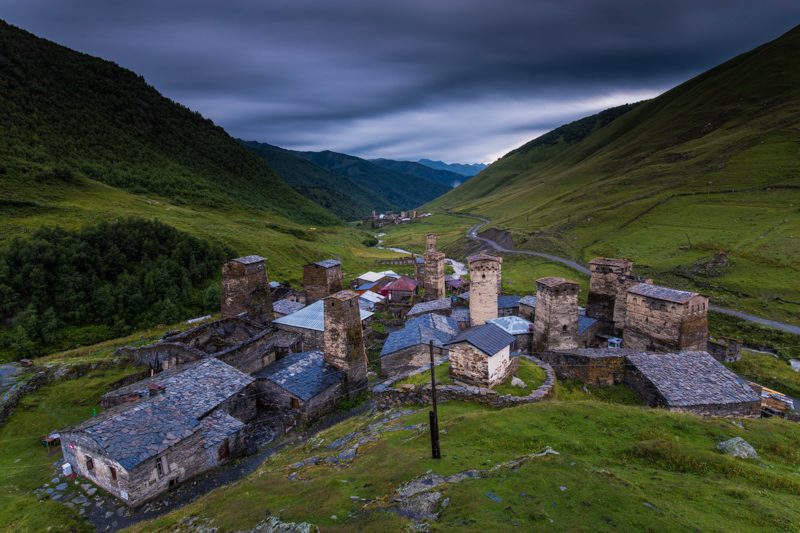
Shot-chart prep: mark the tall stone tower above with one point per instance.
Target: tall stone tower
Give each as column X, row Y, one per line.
column 433, row 276
column 604, row 287
column 322, row 279
column 556, row 324
column 344, row 339
column 484, row 289
column 245, row 289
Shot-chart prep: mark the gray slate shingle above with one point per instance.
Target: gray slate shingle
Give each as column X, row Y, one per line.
column 488, row 338
column 303, row 374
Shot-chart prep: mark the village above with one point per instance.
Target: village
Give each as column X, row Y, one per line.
column 285, row 358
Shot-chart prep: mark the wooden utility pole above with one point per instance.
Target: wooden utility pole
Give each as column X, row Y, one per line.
column 436, row 452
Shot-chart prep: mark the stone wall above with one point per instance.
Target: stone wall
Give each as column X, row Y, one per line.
column 344, row 339
column 433, row 272
column 387, row 396
column 592, row 369
column 409, row 359
column 472, row 366
column 162, row 355
column 725, row 350
column 245, row 289
column 278, row 399
column 603, row 289
column 320, row 282
column 658, row 325
column 485, row 275
column 528, row 312
column 311, row 338
column 252, row 355
column 556, row 324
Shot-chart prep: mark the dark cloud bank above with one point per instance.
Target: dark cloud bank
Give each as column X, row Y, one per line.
column 459, row 80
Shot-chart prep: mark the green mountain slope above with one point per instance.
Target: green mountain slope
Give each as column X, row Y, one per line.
column 445, row 177
column 339, row 194
column 67, row 116
column 401, row 191
column 710, row 166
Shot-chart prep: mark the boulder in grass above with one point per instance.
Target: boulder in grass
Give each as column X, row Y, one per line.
column 738, row 447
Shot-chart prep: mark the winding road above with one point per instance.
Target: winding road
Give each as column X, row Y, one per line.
column 472, row 233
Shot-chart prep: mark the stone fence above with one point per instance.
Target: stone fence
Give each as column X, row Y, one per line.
column 386, row 396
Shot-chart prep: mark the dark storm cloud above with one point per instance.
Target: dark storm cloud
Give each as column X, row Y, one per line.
column 457, row 80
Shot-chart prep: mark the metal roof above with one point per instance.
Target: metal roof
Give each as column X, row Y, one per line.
column 328, row 263
column 507, row 301
column 376, row 276
column 303, row 374
column 584, row 323
column 692, row 378
column 366, row 286
column 513, row 325
column 432, row 305
column 249, row 259
column 488, row 338
column 662, row 293
column 373, row 297
column 421, row 330
column 311, row 317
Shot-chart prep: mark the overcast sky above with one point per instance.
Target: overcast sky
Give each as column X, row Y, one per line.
column 458, row 80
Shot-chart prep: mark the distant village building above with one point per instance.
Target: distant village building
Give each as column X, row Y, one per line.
column 168, row 429
column 322, row 279
column 521, row 329
column 600, row 367
column 527, row 307
column 433, row 279
column 400, row 294
column 370, row 301
column 556, row 324
column 485, row 275
column 408, row 348
column 691, row 382
column 481, row 355
column 441, row 307
column 664, row 319
column 245, row 289
column 508, row 305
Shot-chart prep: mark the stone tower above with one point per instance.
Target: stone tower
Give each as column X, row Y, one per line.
column 344, row 339
column 604, row 286
column 433, row 275
column 485, row 275
column 556, row 324
column 245, row 289
column 322, row 279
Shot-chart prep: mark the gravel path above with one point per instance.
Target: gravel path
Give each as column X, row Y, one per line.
column 472, row 233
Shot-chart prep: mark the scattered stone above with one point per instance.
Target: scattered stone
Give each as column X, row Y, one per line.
column 80, row 500
column 516, row 382
column 54, row 480
column 340, row 442
column 650, row 506
column 305, row 462
column 273, row 524
column 292, row 476
column 494, row 497
column 562, row 488
column 85, row 486
column 347, row 455
column 333, row 517
column 737, row 423
column 108, row 515
column 62, row 486
column 421, row 506
column 56, row 496
column 738, row 447
column 91, row 491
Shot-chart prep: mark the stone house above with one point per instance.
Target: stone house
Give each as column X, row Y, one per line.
column 376, row 277
column 408, row 348
column 603, row 284
column 527, row 307
column 600, row 367
column 508, row 305
column 664, row 319
column 588, row 331
column 285, row 307
column 481, row 355
column 691, row 382
column 371, row 301
column 246, row 289
column 309, row 323
column 556, row 324
column 456, row 285
column 521, row 329
column 443, row 306
column 322, row 279
column 162, row 431
column 485, row 275
column 301, row 384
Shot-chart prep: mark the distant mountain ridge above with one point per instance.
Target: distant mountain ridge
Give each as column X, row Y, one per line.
column 465, row 169
column 445, row 177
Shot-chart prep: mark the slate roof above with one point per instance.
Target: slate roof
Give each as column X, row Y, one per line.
column 483, row 256
column 584, row 323
column 286, row 306
column 554, row 282
column 528, row 300
column 311, row 317
column 133, row 433
column 600, row 353
column 507, row 301
column 430, row 306
column 249, row 259
column 662, row 293
column 692, row 378
column 512, row 324
column 304, row 374
column 460, row 314
column 421, row 330
column 488, row 338
column 218, row 426
column 328, row 263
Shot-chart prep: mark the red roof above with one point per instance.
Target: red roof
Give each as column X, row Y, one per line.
column 403, row 283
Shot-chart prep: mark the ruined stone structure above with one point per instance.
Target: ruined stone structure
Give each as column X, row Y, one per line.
column 322, row 279
column 556, row 324
column 433, row 275
column 600, row 367
column 481, row 355
column 665, row 320
column 725, row 350
column 485, row 275
column 344, row 339
column 245, row 289
column 606, row 274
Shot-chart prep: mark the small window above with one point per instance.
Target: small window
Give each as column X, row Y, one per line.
column 160, row 466
column 89, row 463
column 224, row 450
column 295, row 403
column 113, row 472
